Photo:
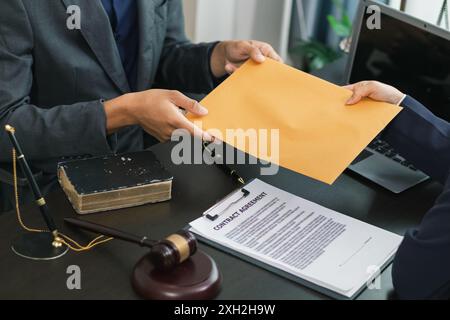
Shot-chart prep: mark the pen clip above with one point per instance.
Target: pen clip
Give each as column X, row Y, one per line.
column 206, row 144
column 245, row 194
column 218, row 157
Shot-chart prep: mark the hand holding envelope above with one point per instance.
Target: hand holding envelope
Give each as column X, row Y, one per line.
column 319, row 134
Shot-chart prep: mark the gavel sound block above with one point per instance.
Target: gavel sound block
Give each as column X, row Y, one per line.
column 173, row 270
column 197, row 278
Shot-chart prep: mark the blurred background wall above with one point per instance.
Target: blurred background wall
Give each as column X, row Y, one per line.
column 267, row 20
column 272, row 20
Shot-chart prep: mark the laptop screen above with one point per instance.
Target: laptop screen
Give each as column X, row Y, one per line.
column 401, row 54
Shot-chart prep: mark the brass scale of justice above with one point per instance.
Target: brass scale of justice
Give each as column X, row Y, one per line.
column 174, row 269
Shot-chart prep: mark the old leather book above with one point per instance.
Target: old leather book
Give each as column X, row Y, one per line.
column 114, row 182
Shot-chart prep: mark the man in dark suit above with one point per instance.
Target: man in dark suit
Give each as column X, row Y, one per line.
column 422, row 265
column 90, row 91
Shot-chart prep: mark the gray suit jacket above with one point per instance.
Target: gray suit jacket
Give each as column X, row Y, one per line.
column 53, row 80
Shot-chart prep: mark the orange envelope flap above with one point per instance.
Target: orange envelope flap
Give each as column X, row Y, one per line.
column 319, row 135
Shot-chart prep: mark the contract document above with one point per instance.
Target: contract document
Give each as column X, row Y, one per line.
column 303, row 241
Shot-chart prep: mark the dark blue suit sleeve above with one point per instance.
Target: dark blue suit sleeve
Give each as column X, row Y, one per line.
column 422, row 265
column 183, row 65
column 422, row 138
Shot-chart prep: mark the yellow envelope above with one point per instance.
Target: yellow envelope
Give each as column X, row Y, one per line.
column 320, row 135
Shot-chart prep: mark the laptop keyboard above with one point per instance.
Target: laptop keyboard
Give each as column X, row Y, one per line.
column 385, row 149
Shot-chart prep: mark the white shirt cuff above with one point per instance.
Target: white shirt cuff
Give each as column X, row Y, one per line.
column 401, row 101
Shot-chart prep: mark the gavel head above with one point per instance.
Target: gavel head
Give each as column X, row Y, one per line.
column 174, row 250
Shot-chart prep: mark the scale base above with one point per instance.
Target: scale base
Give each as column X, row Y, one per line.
column 38, row 246
column 196, row 279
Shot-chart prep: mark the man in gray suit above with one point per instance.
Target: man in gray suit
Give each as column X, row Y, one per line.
column 92, row 91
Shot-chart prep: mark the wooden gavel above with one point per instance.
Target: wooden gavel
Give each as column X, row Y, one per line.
column 165, row 254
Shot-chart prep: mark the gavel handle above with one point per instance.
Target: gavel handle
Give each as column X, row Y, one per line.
column 110, row 232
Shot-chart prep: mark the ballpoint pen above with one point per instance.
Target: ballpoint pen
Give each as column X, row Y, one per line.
column 40, row 201
column 221, row 164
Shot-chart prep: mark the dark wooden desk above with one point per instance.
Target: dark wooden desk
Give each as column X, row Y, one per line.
column 105, row 271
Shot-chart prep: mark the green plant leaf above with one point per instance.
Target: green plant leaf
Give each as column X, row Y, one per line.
column 315, row 53
column 347, row 21
column 340, row 28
